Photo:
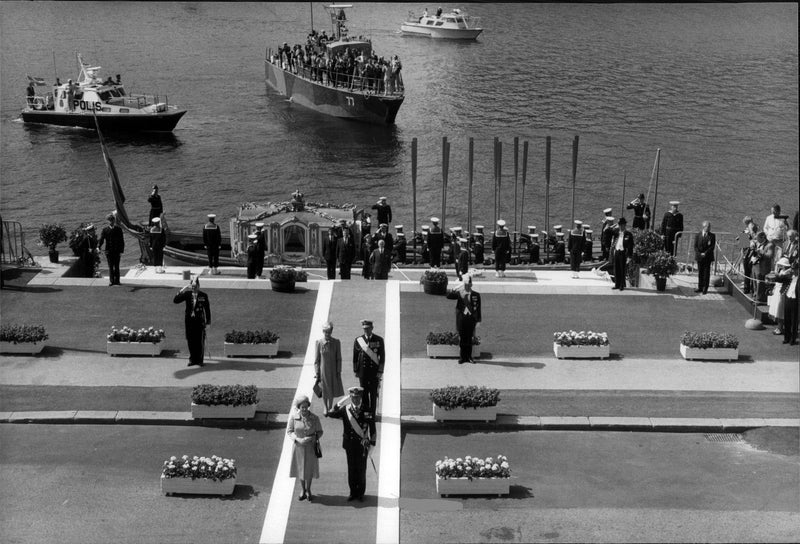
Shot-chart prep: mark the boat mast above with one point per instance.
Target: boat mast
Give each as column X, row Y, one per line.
column 311, row 9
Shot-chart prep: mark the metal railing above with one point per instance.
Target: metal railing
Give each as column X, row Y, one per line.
column 724, row 253
column 14, row 251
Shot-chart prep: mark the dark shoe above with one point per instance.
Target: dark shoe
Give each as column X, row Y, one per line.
column 191, row 364
column 621, row 288
column 309, row 497
column 350, row 498
column 705, row 291
column 460, row 362
column 361, row 498
column 793, row 343
column 698, row 290
column 785, row 341
column 615, row 287
column 302, row 497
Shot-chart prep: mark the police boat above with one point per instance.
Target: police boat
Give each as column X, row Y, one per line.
column 455, row 25
column 343, row 77
column 75, row 104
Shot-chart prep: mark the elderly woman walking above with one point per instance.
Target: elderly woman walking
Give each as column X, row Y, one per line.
column 305, row 430
column 328, row 367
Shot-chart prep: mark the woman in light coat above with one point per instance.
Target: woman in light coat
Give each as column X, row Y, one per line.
column 328, row 367
column 304, row 429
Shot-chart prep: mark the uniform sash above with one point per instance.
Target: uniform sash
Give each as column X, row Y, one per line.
column 365, row 348
column 354, row 424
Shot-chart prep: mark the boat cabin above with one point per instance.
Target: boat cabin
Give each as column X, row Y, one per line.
column 296, row 230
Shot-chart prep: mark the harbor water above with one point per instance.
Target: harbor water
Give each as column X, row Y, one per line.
column 714, row 86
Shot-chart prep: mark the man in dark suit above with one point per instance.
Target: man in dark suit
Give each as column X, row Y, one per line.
column 671, row 226
column 435, row 243
column 329, row 250
column 212, row 239
column 261, row 248
column 380, row 261
column 358, row 435
column 112, row 237
column 621, row 249
column 462, row 259
column 704, row 244
column 369, row 356
column 197, row 318
column 468, row 315
column 345, row 252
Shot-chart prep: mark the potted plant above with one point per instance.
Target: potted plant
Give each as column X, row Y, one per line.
column 645, row 243
column 198, row 475
column 263, row 343
column 128, row 341
column 434, row 282
column 581, row 345
column 446, row 344
column 465, row 403
column 709, row 345
column 473, row 476
column 224, row 401
column 282, row 278
column 50, row 235
column 16, row 338
column 661, row 265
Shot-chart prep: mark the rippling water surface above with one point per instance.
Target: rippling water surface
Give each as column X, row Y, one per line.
column 715, row 86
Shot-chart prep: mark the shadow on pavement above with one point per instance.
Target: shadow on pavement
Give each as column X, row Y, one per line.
column 509, row 364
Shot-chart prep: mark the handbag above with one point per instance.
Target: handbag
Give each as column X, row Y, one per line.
column 317, row 449
column 317, row 389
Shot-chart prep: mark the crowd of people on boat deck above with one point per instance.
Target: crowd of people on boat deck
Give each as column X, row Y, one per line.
column 349, row 68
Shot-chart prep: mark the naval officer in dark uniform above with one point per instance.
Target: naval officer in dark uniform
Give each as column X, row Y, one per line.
column 641, row 212
column 261, row 249
column 114, row 241
column 252, row 255
column 671, row 225
column 369, row 356
column 468, row 315
column 384, row 211
column 435, row 243
column 501, row 245
column 197, row 318
column 358, row 436
column 462, row 259
column 156, row 206
column 212, row 239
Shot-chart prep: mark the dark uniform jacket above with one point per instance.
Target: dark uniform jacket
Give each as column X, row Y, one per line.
column 363, row 365
column 261, row 243
column 158, row 239
column 330, row 249
column 501, row 241
column 473, row 304
column 384, row 213
column 575, row 245
column 387, row 239
column 627, row 243
column 350, row 438
column 704, row 247
column 672, row 222
column 435, row 238
column 346, row 249
column 198, row 312
column 113, row 238
column 156, row 207
column 212, row 237
column 462, row 263
column 640, row 210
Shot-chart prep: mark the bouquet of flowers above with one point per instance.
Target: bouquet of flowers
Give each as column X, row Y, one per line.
column 435, row 276
column 213, row 468
column 582, row 338
column 447, row 339
column 709, row 339
column 22, row 334
column 127, row 334
column 251, row 337
column 471, row 396
column 473, row 467
column 283, row 273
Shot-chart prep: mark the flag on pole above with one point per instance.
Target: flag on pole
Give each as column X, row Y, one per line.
column 37, row 81
column 113, row 179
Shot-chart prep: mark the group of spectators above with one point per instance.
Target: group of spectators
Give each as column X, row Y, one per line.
column 770, row 264
column 351, row 67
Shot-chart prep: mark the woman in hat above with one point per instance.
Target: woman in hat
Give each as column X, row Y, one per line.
column 305, row 429
column 328, row 366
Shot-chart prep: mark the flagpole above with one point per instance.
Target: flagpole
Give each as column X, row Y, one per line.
column 414, row 193
column 55, row 72
column 655, row 198
column 524, row 174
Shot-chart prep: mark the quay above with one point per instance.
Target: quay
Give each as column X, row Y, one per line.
column 644, row 396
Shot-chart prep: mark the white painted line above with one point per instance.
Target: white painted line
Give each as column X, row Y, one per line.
column 388, row 523
column 280, row 499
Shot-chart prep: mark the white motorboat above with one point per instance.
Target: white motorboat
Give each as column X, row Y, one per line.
column 455, row 25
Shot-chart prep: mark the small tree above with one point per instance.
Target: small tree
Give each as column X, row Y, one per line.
column 50, row 235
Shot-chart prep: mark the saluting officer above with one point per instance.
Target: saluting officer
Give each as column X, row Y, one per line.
column 436, row 243
column 384, row 211
column 468, row 315
column 383, row 234
column 212, row 239
column 369, row 356
column 197, row 317
column 671, row 225
column 641, row 212
column 156, row 206
column 501, row 245
column 358, row 436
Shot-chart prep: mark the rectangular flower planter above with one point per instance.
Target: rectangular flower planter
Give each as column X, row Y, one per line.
column 223, row 411
column 251, row 350
column 133, row 348
column 581, row 352
column 197, row 486
column 710, row 354
column 446, row 350
column 482, row 413
column 476, row 486
column 25, row 348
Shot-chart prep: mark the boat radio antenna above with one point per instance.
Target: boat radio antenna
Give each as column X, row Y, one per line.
column 311, row 8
